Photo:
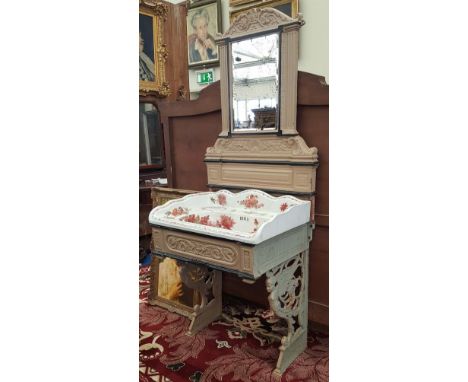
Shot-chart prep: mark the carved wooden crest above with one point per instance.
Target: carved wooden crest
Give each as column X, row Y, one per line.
column 259, row 20
column 264, row 147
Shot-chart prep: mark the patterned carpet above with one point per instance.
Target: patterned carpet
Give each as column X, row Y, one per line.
column 241, row 346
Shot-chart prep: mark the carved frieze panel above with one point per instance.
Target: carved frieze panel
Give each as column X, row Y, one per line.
column 279, row 148
column 200, row 249
column 258, row 20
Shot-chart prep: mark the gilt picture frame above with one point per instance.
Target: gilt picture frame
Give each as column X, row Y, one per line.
column 152, row 48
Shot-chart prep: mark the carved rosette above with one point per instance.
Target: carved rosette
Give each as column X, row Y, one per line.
column 209, row 251
column 286, row 285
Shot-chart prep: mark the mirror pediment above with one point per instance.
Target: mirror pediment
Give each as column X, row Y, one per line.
column 258, row 20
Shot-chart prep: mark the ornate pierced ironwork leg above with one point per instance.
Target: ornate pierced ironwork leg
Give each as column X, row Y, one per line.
column 207, row 282
column 287, row 287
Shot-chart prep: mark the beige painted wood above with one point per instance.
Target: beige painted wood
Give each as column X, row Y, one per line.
column 207, row 282
column 286, row 302
column 265, row 20
column 160, row 195
column 263, row 147
column 283, row 178
column 224, row 87
column 288, row 96
column 208, row 250
column 275, row 251
column 249, row 260
column 259, row 20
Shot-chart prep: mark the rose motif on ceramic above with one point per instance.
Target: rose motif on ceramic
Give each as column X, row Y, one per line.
column 224, row 221
column 284, row 207
column 177, row 211
column 204, row 220
column 251, row 201
column 220, row 199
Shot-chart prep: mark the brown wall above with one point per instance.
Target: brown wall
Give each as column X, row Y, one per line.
column 192, row 126
column 176, row 39
column 312, row 125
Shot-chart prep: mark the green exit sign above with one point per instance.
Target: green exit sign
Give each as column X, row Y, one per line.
column 205, row 77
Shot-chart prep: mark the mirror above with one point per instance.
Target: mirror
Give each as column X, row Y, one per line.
column 255, row 84
column 150, row 136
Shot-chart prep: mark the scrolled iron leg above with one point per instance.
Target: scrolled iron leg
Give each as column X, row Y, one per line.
column 287, row 287
column 207, row 282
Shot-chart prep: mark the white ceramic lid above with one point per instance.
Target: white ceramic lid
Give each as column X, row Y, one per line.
column 250, row 216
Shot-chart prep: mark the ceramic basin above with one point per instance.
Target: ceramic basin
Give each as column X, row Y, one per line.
column 250, row 216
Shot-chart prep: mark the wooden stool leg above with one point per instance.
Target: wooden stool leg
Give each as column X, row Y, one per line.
column 207, row 282
column 287, row 287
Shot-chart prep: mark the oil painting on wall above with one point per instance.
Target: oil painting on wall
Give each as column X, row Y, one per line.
column 147, row 66
column 152, row 49
column 203, row 22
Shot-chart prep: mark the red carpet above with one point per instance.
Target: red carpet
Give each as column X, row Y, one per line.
column 240, row 347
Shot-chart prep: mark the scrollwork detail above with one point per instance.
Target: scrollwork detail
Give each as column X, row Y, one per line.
column 199, row 278
column 257, row 19
column 215, row 252
column 286, row 286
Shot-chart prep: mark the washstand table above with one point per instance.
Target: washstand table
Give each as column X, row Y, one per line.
column 249, row 233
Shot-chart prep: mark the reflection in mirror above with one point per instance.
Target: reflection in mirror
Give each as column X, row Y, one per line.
column 255, row 72
column 150, row 136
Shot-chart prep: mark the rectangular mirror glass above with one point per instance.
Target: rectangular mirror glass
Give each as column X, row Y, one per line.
column 150, row 136
column 254, row 84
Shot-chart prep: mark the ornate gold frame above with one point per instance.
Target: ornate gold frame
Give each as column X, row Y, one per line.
column 268, row 3
column 158, row 11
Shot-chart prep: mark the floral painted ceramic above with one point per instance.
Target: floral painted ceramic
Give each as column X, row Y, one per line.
column 250, row 216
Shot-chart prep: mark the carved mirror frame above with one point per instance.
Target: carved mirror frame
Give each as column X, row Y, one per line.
column 254, row 23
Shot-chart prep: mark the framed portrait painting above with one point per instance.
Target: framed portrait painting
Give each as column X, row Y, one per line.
column 203, row 22
column 152, row 49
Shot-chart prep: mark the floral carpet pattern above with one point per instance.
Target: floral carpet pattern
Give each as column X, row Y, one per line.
column 241, row 346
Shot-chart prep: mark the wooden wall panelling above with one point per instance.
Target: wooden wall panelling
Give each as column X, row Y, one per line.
column 312, row 125
column 189, row 128
column 192, row 126
column 176, row 40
